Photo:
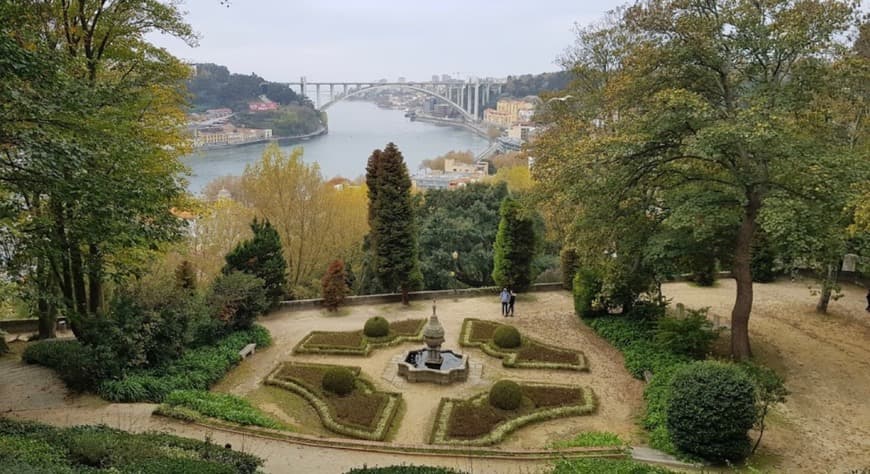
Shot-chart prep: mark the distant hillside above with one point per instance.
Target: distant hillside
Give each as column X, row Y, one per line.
column 532, row 84
column 214, row 87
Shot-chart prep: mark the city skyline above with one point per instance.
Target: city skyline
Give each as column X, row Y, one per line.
column 342, row 40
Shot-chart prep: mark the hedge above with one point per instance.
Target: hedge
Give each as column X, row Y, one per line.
column 511, row 358
column 308, row 344
column 197, row 369
column 439, row 434
column 28, row 447
column 606, row 466
column 327, row 411
column 188, row 404
column 403, row 470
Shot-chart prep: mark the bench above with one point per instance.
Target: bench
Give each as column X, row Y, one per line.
column 248, row 350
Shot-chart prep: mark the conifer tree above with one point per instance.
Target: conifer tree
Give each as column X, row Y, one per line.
column 334, row 285
column 262, row 257
column 514, row 249
column 393, row 248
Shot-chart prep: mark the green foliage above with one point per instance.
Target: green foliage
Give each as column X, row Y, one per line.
column 403, row 469
column 586, row 288
column 4, row 348
column 334, row 286
column 569, row 264
column 376, row 326
column 507, row 337
column 394, row 251
column 286, row 121
column 222, row 406
column 338, row 380
column 464, row 221
column 197, row 369
column 769, row 391
column 27, row 447
column 690, row 335
column 261, row 256
column 213, row 86
column 589, row 439
column 516, row 245
column 710, row 409
column 606, row 466
column 763, row 264
column 185, row 276
column 237, row 299
column 505, row 394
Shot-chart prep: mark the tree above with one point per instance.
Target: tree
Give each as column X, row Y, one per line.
column 92, row 186
column 334, row 285
column 516, row 244
column 317, row 222
column 393, row 237
column 185, row 276
column 717, row 101
column 262, row 257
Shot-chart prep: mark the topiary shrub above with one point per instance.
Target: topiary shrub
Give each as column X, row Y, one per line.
column 586, row 288
column 376, row 327
column 710, row 409
column 507, row 337
column 338, row 380
column 506, row 395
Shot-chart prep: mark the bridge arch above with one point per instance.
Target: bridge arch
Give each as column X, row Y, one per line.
column 361, row 90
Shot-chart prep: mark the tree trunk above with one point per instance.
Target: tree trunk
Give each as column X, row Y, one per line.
column 95, row 279
column 47, row 318
column 742, row 271
column 827, row 289
column 405, row 300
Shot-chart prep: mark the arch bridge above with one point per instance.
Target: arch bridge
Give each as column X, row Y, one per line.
column 467, row 97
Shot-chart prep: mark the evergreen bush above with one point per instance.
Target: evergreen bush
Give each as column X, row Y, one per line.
column 237, row 299
column 338, row 380
column 506, row 395
column 690, row 335
column 334, row 286
column 376, row 327
column 507, row 337
column 710, row 409
column 262, row 256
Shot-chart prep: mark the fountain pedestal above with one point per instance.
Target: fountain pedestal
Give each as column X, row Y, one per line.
column 433, row 364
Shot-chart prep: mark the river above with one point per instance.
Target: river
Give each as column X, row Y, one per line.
column 355, row 130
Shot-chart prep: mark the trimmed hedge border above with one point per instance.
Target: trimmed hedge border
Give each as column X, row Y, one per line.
column 364, row 349
column 509, row 356
column 325, row 410
column 445, row 407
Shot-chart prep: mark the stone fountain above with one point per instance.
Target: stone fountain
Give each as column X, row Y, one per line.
column 431, row 363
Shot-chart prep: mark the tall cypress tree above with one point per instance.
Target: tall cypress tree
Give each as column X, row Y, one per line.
column 262, row 257
column 393, row 250
column 515, row 247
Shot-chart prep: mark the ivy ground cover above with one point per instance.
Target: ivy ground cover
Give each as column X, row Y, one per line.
column 357, row 343
column 532, row 354
column 474, row 422
column 365, row 413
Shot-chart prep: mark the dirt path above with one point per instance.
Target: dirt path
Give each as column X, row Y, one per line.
column 825, row 426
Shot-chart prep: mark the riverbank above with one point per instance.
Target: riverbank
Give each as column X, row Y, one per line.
column 453, row 123
column 282, row 141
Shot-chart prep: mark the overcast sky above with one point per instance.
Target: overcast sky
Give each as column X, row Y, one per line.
column 334, row 40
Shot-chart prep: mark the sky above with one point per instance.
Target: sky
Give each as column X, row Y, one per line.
column 366, row 40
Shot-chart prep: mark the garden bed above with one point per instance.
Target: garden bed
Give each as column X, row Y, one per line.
column 532, row 354
column 365, row 413
column 357, row 343
column 474, row 422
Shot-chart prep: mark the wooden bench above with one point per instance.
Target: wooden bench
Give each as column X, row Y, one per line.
column 248, row 350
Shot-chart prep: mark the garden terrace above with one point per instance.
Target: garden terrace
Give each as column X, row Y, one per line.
column 357, row 343
column 364, row 413
column 531, row 354
column 474, row 422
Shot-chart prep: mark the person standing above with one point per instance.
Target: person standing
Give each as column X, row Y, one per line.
column 868, row 300
column 511, row 302
column 505, row 301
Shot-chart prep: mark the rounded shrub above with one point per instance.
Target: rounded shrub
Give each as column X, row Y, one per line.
column 376, row 327
column 507, row 337
column 338, row 380
column 710, row 409
column 506, row 395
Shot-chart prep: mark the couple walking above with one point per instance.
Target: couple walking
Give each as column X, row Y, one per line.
column 508, row 298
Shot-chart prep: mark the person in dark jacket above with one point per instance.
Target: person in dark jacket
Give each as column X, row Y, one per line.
column 511, row 302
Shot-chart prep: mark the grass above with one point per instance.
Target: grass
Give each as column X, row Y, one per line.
column 294, row 407
column 222, row 406
column 606, row 466
column 589, row 439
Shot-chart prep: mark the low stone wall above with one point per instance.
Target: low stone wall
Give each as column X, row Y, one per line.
column 18, row 326
column 413, row 296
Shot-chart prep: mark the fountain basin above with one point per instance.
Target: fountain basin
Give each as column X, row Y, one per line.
column 453, row 367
